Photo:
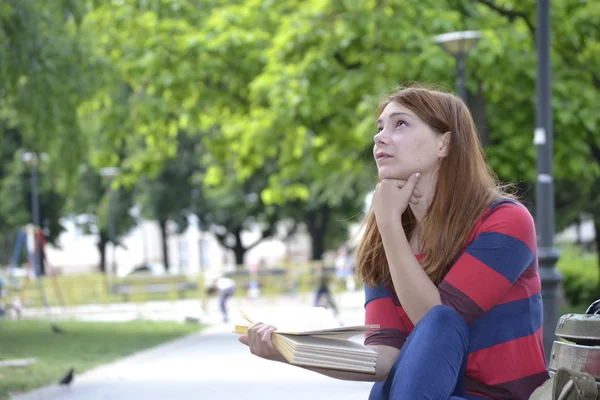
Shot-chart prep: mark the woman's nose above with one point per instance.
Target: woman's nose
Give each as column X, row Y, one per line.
column 379, row 138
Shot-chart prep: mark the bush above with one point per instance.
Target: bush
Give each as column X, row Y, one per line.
column 580, row 274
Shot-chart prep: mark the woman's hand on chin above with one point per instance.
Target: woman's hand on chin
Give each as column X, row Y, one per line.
column 392, row 196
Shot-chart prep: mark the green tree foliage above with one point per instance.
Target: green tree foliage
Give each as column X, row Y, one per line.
column 576, row 95
column 298, row 84
column 46, row 72
column 16, row 190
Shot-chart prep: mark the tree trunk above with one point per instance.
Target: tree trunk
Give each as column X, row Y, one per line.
column 102, row 249
column 578, row 234
column 40, row 259
column 165, row 245
column 316, row 223
column 238, row 249
column 476, row 103
column 5, row 253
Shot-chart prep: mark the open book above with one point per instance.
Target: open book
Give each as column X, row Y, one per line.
column 312, row 337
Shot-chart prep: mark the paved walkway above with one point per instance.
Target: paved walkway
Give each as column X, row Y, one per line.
column 208, row 365
column 179, row 310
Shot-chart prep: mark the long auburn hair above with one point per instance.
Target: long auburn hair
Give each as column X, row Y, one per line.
column 465, row 187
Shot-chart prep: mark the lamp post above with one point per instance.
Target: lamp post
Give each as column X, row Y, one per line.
column 544, row 198
column 33, row 160
column 110, row 173
column 458, row 45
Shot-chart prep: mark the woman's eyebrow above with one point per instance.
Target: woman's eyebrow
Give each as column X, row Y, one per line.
column 395, row 114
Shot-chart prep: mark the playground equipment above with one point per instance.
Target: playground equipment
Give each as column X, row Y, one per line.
column 31, row 238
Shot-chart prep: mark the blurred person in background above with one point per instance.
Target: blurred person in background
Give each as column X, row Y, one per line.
column 226, row 289
column 344, row 268
column 323, row 296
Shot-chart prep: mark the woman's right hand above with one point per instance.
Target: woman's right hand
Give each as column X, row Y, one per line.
column 259, row 340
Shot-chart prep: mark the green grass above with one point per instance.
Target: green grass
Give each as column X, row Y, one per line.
column 83, row 346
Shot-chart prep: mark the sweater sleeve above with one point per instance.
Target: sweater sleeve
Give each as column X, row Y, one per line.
column 383, row 307
column 504, row 247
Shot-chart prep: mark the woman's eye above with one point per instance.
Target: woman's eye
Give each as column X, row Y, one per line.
column 400, row 123
column 379, row 129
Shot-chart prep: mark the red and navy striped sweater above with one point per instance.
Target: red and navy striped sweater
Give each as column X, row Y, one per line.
column 495, row 286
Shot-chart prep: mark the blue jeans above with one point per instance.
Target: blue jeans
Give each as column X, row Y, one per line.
column 432, row 362
column 223, row 297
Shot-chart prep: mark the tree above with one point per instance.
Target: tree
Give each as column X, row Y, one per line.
column 167, row 196
column 90, row 206
column 312, row 73
column 298, row 83
column 227, row 208
column 9, row 145
column 46, row 71
column 326, row 224
column 576, row 93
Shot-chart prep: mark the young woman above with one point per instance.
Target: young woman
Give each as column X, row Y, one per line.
column 449, row 263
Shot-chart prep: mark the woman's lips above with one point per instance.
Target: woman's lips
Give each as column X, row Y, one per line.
column 382, row 156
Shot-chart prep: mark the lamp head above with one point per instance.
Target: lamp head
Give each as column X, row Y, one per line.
column 458, row 44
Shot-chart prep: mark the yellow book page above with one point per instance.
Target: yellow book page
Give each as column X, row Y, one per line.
column 300, row 320
column 339, row 335
column 296, row 318
column 240, row 329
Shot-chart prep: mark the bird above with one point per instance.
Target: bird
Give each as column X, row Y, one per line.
column 68, row 378
column 56, row 329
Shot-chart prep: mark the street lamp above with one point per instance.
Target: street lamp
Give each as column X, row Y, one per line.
column 544, row 197
column 33, row 160
column 458, row 45
column 110, row 173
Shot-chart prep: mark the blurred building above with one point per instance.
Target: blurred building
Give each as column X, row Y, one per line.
column 77, row 252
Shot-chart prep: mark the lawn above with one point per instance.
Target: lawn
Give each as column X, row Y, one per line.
column 83, row 345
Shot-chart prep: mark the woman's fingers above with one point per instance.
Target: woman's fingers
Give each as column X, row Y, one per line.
column 267, row 341
column 416, row 192
column 413, row 200
column 259, row 340
column 254, row 338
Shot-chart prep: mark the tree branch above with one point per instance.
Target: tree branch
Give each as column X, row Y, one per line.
column 222, row 238
column 342, row 62
column 594, row 148
column 511, row 15
column 293, row 230
column 571, row 62
column 264, row 234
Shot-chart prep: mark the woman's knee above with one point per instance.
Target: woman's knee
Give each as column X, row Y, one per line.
column 447, row 318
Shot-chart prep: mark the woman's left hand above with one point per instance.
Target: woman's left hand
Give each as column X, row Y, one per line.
column 392, row 196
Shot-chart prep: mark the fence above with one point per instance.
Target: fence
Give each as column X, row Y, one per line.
column 97, row 288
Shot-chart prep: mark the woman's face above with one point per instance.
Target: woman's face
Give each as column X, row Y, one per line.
column 404, row 144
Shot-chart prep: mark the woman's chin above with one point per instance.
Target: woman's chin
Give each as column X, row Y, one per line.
column 390, row 175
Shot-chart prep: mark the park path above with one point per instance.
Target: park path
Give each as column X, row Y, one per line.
column 208, row 365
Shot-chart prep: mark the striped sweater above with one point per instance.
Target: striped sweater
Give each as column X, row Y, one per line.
column 494, row 285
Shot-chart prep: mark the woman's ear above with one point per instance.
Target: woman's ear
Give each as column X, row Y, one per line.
column 443, row 144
